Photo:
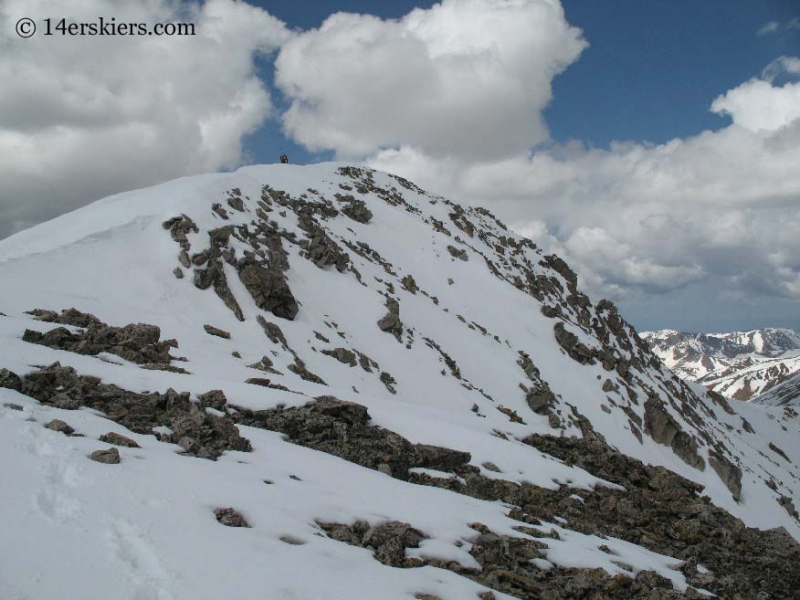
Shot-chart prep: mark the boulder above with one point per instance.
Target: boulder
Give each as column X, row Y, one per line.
column 60, row 426
column 109, row 456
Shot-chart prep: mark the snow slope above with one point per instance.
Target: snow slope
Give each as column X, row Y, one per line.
column 786, row 393
column 480, row 300
column 738, row 365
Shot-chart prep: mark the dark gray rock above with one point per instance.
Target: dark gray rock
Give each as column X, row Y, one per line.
column 213, row 399
column 236, row 203
column 322, row 250
column 269, row 290
column 779, row 452
column 343, row 355
column 179, row 228
column 458, row 253
column 540, row 398
column 70, row 316
column 788, row 504
column 230, row 517
column 409, row 284
column 10, row 380
column 729, row 473
column 388, row 541
column 358, row 211
column 391, row 322
column 665, row 430
column 221, row 212
column 342, row 429
column 211, row 435
column 211, row 330
column 389, row 381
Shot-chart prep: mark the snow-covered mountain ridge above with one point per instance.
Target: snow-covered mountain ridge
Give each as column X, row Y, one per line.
column 355, row 375
column 738, row 365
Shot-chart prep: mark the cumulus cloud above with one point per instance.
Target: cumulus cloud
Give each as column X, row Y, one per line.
column 721, row 206
column 465, row 78
column 83, row 117
column 758, row 105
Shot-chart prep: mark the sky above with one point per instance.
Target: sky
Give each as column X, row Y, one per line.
column 654, row 145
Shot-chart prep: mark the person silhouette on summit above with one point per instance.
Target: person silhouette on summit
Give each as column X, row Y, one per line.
column 284, row 159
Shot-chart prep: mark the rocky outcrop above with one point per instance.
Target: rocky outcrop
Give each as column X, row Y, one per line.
column 357, row 210
column 118, row 440
column 197, row 432
column 179, row 228
column 269, row 289
column 458, row 253
column 410, row 284
column 569, row 342
column 665, row 513
column 729, row 473
column 343, row 355
column 540, row 398
column 211, row 330
column 505, row 563
column 230, row 517
column 342, row 429
column 388, row 541
column 657, row 509
column 320, row 248
column 10, row 380
column 665, row 430
column 213, row 399
column 214, row 272
column 139, row 343
column 391, row 322
column 70, row 316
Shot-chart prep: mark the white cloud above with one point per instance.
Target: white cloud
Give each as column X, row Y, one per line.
column 789, row 65
column 768, row 28
column 83, row 117
column 758, row 105
column 466, row 78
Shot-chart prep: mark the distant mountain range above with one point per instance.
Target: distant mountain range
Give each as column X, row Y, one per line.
column 739, row 365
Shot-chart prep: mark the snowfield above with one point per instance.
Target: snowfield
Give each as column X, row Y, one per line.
column 447, row 369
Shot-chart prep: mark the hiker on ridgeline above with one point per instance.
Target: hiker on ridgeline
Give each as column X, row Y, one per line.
column 284, row 159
